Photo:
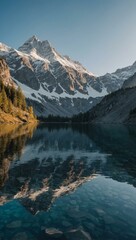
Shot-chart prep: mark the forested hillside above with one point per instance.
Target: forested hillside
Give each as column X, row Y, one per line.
column 13, row 107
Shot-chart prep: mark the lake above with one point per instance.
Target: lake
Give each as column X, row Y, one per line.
column 67, row 182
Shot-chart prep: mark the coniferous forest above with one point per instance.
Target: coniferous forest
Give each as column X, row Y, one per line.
column 12, row 101
column 9, row 97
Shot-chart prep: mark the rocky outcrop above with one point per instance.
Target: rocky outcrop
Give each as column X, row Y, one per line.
column 5, row 76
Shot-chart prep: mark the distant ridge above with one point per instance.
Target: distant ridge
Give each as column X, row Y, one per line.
column 55, row 84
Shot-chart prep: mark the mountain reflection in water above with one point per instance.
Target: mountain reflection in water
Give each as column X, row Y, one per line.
column 71, row 182
column 56, row 160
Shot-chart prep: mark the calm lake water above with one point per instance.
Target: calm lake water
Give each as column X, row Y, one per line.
column 62, row 182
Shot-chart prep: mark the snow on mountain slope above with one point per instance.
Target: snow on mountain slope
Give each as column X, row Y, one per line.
column 114, row 81
column 55, row 84
column 37, row 48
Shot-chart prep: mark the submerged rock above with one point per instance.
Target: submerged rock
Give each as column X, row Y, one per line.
column 14, row 224
column 53, row 232
column 76, row 234
column 100, row 211
column 20, row 236
column 65, row 223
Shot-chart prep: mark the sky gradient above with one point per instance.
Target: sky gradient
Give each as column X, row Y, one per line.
column 101, row 34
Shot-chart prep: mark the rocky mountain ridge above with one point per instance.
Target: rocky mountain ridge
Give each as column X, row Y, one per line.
column 55, row 84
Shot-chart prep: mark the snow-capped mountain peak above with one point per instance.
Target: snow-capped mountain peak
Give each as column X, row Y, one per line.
column 42, row 48
column 56, row 84
column 4, row 47
column 33, row 38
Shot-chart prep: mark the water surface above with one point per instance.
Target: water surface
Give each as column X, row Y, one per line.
column 65, row 182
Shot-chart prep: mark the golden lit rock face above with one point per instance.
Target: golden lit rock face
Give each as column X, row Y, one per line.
column 5, row 73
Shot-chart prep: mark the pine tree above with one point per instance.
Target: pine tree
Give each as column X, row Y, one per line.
column 30, row 110
column 15, row 102
column 21, row 102
column 4, row 100
column 10, row 107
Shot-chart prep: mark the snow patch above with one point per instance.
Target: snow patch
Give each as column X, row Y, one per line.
column 53, row 95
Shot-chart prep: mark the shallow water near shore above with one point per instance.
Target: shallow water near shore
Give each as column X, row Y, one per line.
column 68, row 182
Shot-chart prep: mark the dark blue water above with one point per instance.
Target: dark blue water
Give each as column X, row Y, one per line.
column 61, row 182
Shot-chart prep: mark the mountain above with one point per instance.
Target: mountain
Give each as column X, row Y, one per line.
column 114, row 81
column 55, row 84
column 130, row 82
column 117, row 107
column 52, row 83
column 13, row 107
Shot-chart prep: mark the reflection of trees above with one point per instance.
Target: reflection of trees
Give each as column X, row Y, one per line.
column 12, row 142
column 49, row 176
column 60, row 158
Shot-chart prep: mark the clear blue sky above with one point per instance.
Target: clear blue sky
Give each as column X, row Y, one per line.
column 101, row 34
